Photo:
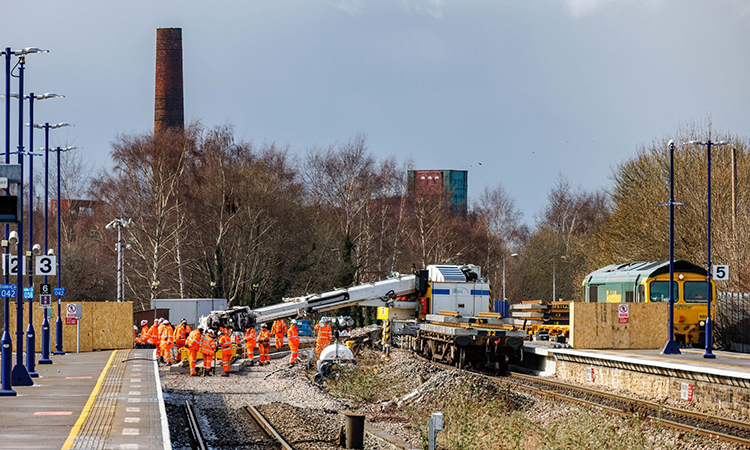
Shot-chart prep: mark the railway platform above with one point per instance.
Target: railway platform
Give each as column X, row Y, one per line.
column 719, row 383
column 93, row 400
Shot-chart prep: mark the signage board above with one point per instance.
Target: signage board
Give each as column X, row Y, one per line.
column 46, row 265
column 73, row 311
column 71, row 321
column 45, row 301
column 59, row 292
column 8, row 290
column 28, row 292
column 623, row 312
column 721, row 272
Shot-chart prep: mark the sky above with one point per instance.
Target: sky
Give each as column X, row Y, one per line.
column 516, row 92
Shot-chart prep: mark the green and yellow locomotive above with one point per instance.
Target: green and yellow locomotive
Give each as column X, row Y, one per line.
column 649, row 282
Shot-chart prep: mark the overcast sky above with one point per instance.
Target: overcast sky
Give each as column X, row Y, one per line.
column 529, row 88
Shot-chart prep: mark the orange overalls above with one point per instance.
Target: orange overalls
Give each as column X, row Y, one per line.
column 324, row 337
column 250, row 344
column 264, row 343
column 167, row 342
column 159, row 349
column 180, row 334
column 208, row 349
column 293, row 335
column 193, row 343
column 144, row 335
column 279, row 330
column 153, row 337
column 225, row 342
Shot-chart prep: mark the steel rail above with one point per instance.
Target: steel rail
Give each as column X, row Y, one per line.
column 702, row 423
column 196, row 437
column 267, row 427
column 653, row 411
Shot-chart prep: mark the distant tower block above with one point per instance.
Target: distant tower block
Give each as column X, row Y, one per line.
column 169, row 108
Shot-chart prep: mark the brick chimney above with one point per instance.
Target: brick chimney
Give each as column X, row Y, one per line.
column 169, row 107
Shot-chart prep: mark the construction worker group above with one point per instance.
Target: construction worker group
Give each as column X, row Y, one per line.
column 171, row 343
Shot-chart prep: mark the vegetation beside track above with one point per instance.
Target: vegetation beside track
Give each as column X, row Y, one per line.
column 481, row 415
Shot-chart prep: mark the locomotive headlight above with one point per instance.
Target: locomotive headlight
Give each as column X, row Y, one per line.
column 681, row 319
column 681, row 276
column 702, row 323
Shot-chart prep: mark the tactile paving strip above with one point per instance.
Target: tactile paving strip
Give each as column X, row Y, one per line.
column 96, row 428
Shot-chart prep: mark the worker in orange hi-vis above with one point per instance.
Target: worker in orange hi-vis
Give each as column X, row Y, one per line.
column 278, row 329
column 193, row 344
column 293, row 335
column 167, row 341
column 250, row 343
column 208, row 349
column 225, row 343
column 143, row 338
column 324, row 337
column 264, row 344
column 181, row 333
column 153, row 336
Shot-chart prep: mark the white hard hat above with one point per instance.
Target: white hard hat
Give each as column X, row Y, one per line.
column 144, row 322
column 210, row 331
column 166, row 321
column 264, row 326
column 135, row 328
column 293, row 321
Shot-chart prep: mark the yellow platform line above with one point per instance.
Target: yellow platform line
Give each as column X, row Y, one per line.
column 87, row 409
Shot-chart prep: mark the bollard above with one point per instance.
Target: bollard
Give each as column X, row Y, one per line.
column 355, row 431
column 434, row 424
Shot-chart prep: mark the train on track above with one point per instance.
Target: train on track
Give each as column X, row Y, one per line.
column 444, row 312
column 649, row 282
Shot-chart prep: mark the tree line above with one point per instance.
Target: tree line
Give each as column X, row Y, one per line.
column 216, row 216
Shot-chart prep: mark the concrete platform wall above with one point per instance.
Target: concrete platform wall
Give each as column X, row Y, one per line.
column 600, row 326
column 659, row 387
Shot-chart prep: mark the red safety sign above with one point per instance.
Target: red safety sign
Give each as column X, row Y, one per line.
column 623, row 312
column 71, row 321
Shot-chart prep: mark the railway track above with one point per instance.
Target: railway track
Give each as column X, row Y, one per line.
column 704, row 424
column 689, row 421
column 257, row 433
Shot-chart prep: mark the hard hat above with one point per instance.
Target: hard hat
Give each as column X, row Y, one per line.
column 166, row 322
column 201, row 328
column 135, row 328
column 293, row 322
column 184, row 320
column 264, row 326
column 221, row 332
column 210, row 331
column 144, row 322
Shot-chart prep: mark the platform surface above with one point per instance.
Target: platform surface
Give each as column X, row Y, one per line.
column 93, row 400
column 729, row 364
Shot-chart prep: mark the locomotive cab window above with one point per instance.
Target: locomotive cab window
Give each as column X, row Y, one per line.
column 659, row 291
column 695, row 291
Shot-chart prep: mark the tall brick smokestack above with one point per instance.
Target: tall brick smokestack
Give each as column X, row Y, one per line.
column 169, row 108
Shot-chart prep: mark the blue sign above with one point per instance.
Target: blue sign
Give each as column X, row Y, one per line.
column 8, row 290
column 59, row 292
column 28, row 292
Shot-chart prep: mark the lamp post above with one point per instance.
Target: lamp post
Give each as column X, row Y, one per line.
column 6, row 350
column 511, row 255
column 671, row 347
column 58, row 324
column 119, row 224
column 34, row 249
column 709, row 323
column 554, row 276
column 46, row 325
column 20, row 374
